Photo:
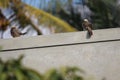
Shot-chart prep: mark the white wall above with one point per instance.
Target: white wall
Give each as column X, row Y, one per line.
column 98, row 55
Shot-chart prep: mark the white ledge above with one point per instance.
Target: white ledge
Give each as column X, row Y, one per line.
column 60, row 39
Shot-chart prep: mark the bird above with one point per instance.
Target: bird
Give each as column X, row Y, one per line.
column 87, row 26
column 16, row 33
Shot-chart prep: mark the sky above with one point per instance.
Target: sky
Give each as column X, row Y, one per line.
column 36, row 3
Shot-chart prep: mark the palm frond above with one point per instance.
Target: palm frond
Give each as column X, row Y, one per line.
column 46, row 18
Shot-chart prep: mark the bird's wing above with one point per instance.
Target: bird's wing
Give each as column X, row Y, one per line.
column 90, row 25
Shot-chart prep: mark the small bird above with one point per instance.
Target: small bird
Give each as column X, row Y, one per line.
column 88, row 26
column 15, row 32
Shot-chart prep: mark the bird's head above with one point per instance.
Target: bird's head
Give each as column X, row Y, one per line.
column 13, row 28
column 85, row 20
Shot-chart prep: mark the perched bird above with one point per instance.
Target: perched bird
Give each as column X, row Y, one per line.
column 15, row 32
column 87, row 26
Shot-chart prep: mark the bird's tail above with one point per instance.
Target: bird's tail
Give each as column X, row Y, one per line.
column 23, row 33
column 90, row 31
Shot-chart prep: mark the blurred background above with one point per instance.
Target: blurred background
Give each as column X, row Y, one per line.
column 44, row 17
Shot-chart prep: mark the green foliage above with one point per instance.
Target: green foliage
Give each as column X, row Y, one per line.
column 104, row 13
column 13, row 70
column 69, row 16
column 46, row 18
column 4, row 3
column 73, row 19
column 65, row 73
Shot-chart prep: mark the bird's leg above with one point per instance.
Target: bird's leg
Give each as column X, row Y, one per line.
column 90, row 31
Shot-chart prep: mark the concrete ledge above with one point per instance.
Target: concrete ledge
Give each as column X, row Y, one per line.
column 59, row 39
column 99, row 56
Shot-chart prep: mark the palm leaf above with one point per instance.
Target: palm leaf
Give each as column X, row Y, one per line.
column 45, row 18
column 4, row 3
